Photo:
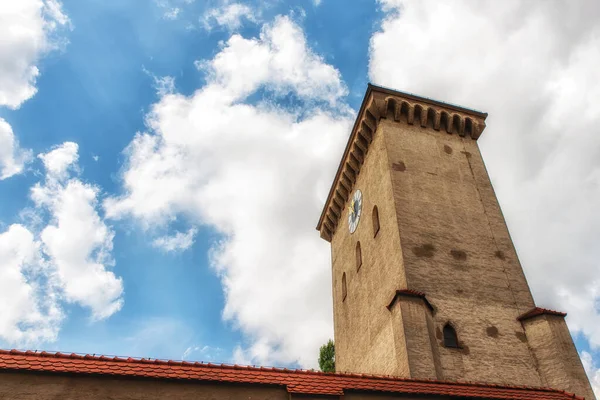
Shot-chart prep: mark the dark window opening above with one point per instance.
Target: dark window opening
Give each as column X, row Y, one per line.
column 344, row 291
column 450, row 338
column 358, row 256
column 375, row 221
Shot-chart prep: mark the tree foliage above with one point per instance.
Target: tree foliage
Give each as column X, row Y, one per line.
column 327, row 357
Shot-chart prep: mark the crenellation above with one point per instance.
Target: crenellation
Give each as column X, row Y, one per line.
column 395, row 108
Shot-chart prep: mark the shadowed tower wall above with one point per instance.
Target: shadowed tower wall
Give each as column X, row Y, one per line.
column 443, row 255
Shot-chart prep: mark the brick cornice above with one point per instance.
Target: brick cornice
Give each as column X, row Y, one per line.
column 407, row 108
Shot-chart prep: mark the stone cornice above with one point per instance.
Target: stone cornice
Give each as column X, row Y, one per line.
column 410, row 293
column 407, row 108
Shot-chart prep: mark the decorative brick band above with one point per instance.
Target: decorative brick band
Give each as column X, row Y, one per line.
column 539, row 311
column 390, row 104
column 410, row 293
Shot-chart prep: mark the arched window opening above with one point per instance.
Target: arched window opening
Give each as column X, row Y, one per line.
column 450, row 338
column 375, row 220
column 344, row 291
column 468, row 126
column 430, row 117
column 358, row 256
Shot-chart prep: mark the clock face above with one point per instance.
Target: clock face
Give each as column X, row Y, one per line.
column 354, row 210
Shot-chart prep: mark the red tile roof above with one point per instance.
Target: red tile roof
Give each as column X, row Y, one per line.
column 534, row 312
column 296, row 381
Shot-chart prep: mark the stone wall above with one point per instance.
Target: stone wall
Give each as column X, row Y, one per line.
column 457, row 251
column 558, row 361
column 364, row 334
column 31, row 386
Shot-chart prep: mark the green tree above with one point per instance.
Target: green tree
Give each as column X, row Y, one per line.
column 327, row 357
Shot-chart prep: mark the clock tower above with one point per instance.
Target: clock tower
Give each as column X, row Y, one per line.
column 426, row 280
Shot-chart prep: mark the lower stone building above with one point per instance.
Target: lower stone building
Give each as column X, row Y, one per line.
column 51, row 376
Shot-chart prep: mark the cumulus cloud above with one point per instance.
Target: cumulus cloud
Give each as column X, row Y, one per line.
column 63, row 256
column 28, row 305
column 59, row 160
column 178, row 242
column 592, row 371
column 229, row 15
column 534, row 68
column 278, row 61
column 258, row 174
column 28, row 30
column 12, row 157
column 76, row 241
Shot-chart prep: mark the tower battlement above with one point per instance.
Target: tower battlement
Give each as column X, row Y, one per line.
column 389, row 104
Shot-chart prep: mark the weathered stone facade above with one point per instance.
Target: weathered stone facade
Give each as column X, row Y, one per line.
column 443, row 234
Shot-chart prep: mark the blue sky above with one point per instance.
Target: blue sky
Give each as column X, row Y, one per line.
column 95, row 90
column 187, row 208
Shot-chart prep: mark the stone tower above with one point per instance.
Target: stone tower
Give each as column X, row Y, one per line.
column 426, row 280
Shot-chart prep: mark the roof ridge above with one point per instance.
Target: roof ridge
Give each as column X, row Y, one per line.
column 149, row 360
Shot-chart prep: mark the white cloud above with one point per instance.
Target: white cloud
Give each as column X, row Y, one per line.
column 63, row 259
column 178, row 242
column 27, row 29
column 172, row 13
column 534, row 67
column 53, row 8
column 76, row 241
column 172, row 9
column 592, row 371
column 28, row 305
column 12, row 157
column 229, row 15
column 279, row 61
column 258, row 174
column 164, row 85
column 58, row 161
column 205, row 353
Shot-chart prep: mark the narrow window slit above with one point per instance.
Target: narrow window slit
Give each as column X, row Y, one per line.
column 450, row 338
column 375, row 221
column 358, row 256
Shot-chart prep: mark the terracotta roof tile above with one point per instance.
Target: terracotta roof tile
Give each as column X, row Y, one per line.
column 295, row 381
column 534, row 312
